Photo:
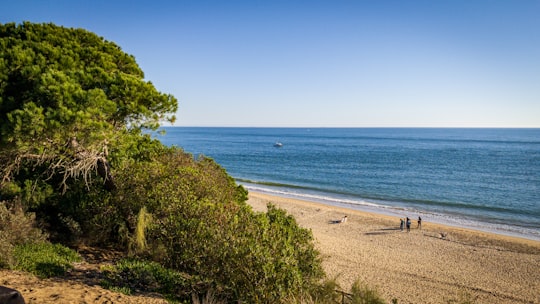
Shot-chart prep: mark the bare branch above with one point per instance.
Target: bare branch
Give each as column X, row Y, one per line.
column 72, row 164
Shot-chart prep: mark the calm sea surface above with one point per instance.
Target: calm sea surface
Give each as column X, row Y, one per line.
column 488, row 179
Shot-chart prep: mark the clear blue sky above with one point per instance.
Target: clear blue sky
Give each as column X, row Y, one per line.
column 335, row 63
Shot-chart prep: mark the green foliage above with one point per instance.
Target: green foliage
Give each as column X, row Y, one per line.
column 34, row 193
column 129, row 275
column 9, row 191
column 69, row 100
column 16, row 228
column 322, row 293
column 202, row 226
column 362, row 294
column 54, row 76
column 255, row 258
column 209, row 298
column 45, row 259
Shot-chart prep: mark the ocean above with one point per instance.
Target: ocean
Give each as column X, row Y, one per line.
column 485, row 179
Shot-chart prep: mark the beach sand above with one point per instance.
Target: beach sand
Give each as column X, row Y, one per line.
column 435, row 264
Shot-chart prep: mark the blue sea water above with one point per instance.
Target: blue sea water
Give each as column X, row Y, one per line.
column 487, row 179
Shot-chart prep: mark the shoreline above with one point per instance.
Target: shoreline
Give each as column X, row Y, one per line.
column 396, row 212
column 435, row 264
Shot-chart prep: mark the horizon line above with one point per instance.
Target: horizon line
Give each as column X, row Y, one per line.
column 352, row 127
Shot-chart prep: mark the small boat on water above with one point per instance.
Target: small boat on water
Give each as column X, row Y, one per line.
column 278, row 144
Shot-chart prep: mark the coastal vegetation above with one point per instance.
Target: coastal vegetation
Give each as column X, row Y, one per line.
column 79, row 167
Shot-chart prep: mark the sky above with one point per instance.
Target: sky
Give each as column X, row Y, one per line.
column 334, row 63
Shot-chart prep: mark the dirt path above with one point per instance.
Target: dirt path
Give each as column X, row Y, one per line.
column 80, row 285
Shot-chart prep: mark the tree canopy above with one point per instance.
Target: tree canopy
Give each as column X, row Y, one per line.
column 68, row 97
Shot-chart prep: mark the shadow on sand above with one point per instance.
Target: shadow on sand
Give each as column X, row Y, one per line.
column 383, row 231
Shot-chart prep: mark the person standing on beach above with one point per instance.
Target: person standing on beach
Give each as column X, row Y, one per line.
column 401, row 224
column 408, row 224
column 419, row 223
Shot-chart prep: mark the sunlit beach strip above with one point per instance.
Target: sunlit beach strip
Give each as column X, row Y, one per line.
column 386, row 208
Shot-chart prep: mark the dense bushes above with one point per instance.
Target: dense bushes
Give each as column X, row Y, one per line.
column 200, row 224
column 188, row 216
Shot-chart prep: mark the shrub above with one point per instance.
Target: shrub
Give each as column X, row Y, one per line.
column 130, row 275
column 329, row 292
column 325, row 292
column 44, row 259
column 362, row 294
column 16, row 228
column 257, row 258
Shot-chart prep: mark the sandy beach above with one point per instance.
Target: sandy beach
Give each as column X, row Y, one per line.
column 435, row 264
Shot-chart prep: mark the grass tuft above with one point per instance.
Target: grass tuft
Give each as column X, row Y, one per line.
column 143, row 219
column 45, row 260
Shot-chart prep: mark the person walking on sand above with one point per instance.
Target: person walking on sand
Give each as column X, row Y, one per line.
column 419, row 223
column 408, row 223
column 401, row 222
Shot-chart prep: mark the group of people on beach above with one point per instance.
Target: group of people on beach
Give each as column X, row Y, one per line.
column 407, row 223
column 403, row 223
